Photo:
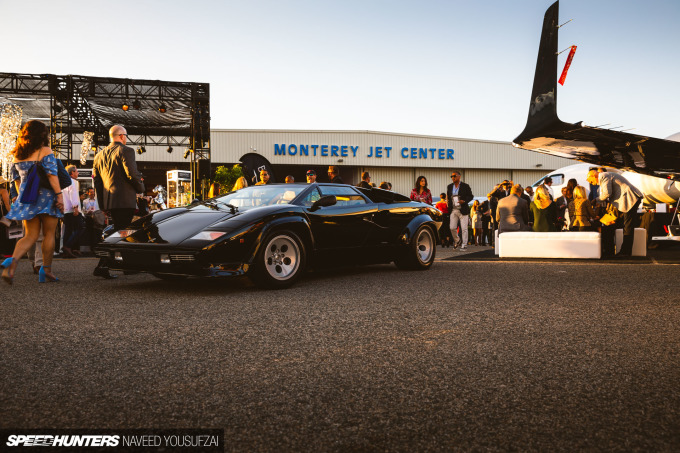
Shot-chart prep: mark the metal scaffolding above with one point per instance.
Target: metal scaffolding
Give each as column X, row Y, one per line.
column 158, row 112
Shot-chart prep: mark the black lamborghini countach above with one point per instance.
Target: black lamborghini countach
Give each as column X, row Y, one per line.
column 272, row 233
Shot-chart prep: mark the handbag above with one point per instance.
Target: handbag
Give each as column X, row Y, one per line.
column 608, row 219
column 611, row 216
column 62, row 174
column 32, row 186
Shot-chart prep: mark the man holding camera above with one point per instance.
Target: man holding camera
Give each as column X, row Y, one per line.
column 500, row 190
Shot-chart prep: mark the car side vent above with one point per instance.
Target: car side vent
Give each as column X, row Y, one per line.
column 101, row 253
column 182, row 258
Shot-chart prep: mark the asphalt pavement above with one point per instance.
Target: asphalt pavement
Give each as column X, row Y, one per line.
column 468, row 356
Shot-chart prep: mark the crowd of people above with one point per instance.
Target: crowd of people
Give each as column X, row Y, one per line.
column 42, row 193
column 39, row 198
column 611, row 202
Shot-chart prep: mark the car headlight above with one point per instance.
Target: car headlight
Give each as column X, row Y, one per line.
column 208, row 235
column 123, row 233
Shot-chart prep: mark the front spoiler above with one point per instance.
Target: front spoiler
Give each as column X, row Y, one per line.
column 186, row 263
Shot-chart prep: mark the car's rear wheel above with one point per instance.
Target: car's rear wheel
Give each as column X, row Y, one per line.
column 280, row 261
column 420, row 253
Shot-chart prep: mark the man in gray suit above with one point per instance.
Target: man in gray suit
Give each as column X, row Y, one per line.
column 512, row 213
column 623, row 196
column 117, row 183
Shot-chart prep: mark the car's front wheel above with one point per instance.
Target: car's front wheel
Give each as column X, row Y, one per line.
column 280, row 260
column 419, row 254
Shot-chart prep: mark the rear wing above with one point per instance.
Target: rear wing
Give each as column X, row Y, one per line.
column 383, row 196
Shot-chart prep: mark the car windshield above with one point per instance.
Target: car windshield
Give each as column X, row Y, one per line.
column 264, row 195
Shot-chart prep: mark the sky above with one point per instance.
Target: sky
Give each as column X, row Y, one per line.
column 447, row 68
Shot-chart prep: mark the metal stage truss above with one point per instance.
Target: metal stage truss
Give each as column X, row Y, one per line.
column 154, row 112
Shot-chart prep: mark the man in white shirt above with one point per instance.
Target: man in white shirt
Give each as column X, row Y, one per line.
column 73, row 221
column 94, row 218
column 90, row 205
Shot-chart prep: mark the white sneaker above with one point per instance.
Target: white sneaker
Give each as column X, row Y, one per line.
column 462, row 247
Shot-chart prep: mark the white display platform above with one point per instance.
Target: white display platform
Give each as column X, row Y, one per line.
column 567, row 244
column 639, row 241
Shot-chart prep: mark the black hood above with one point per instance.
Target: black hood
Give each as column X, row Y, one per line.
column 176, row 229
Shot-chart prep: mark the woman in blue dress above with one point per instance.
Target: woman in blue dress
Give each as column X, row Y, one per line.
column 33, row 146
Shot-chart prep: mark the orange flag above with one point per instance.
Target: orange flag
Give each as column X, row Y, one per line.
column 567, row 64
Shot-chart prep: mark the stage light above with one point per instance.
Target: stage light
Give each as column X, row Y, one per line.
column 169, row 150
column 136, row 105
column 187, row 152
column 141, row 150
column 125, row 106
column 162, row 108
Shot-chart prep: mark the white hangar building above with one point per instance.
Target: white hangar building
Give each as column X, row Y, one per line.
column 392, row 157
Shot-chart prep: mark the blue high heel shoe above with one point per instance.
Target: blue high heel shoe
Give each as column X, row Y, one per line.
column 5, row 265
column 43, row 277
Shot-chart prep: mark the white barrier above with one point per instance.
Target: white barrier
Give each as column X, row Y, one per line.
column 567, row 244
column 639, row 241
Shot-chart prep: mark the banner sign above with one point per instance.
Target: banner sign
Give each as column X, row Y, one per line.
column 567, row 64
column 373, row 152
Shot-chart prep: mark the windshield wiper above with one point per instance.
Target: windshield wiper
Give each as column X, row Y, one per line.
column 234, row 209
column 212, row 204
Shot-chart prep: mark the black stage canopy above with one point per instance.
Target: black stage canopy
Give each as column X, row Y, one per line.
column 159, row 112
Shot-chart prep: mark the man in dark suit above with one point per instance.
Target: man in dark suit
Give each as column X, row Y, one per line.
column 117, row 183
column 562, row 204
column 512, row 213
column 458, row 195
column 527, row 198
column 365, row 181
column 334, row 175
column 547, row 183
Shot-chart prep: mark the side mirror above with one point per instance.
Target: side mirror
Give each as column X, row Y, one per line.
column 328, row 200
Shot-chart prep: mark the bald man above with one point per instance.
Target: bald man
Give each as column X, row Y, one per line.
column 117, row 183
column 625, row 197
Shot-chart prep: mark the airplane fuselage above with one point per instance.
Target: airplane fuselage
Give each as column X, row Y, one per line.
column 655, row 190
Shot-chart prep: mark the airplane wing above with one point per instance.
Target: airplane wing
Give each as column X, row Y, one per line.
column 546, row 133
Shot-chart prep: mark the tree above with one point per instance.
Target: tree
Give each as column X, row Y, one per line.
column 227, row 177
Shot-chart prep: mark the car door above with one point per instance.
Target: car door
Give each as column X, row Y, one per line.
column 390, row 221
column 347, row 224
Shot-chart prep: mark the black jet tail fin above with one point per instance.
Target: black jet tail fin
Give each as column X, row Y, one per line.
column 543, row 105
